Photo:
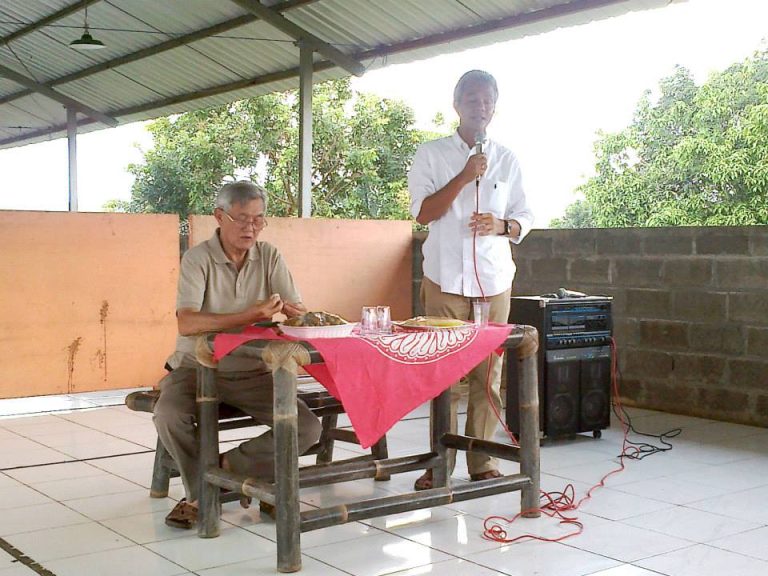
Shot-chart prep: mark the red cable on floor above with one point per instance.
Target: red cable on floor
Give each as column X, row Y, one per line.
column 557, row 503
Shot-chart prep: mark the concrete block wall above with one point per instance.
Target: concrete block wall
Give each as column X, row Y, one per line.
column 690, row 309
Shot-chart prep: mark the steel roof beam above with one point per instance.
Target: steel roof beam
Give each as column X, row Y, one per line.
column 158, row 48
column 58, row 97
column 63, row 13
column 298, row 33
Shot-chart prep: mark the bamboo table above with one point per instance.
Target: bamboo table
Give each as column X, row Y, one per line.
column 283, row 358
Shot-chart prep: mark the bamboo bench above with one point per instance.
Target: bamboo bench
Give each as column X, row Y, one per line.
column 317, row 398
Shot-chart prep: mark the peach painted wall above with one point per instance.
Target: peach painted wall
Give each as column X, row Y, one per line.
column 86, row 300
column 340, row 265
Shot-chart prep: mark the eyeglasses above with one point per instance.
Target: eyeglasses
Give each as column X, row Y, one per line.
column 243, row 222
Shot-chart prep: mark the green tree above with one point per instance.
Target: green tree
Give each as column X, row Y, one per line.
column 695, row 156
column 362, row 148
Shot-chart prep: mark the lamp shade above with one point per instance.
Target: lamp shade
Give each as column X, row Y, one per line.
column 87, row 42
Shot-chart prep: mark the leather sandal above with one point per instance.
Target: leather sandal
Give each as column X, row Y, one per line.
column 268, row 509
column 487, row 475
column 424, row 482
column 182, row 516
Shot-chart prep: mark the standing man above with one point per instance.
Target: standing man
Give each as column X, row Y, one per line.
column 469, row 190
column 225, row 284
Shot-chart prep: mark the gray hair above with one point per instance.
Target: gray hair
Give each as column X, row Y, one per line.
column 240, row 192
column 471, row 77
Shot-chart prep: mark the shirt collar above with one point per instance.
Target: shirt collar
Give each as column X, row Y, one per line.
column 459, row 141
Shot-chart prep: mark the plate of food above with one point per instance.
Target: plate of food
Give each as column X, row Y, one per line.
column 317, row 325
column 432, row 323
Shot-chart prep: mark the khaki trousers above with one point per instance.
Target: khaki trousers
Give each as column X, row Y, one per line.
column 481, row 419
column 175, row 416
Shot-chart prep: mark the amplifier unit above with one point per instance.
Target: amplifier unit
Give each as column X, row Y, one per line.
column 574, row 361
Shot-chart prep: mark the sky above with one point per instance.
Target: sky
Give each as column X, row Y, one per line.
column 556, row 92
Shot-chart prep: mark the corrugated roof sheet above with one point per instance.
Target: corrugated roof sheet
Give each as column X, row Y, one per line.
column 171, row 56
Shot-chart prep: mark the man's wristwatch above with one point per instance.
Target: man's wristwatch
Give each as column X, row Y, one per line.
column 507, row 228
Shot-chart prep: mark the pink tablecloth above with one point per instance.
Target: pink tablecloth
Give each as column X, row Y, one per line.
column 381, row 378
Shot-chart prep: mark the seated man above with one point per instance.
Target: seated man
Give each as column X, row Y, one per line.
column 227, row 283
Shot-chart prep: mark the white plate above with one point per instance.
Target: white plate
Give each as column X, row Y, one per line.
column 340, row 331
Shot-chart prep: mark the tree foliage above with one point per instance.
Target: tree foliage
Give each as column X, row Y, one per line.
column 696, row 155
column 362, row 148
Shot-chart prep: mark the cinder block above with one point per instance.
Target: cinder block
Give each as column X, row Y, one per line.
column 701, row 368
column 667, row 241
column 720, row 338
column 699, row 306
column 538, row 244
column 663, row 334
column 574, row 243
column 688, row 272
column 643, row 363
column 748, row 374
column 742, row 273
column 757, row 342
column 751, row 309
column 626, row 332
column 761, row 410
column 724, row 404
column 554, row 269
column 648, row 303
column 637, row 272
column 624, row 241
column 590, row 270
column 722, row 241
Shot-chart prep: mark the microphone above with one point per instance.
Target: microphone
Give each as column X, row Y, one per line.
column 479, row 139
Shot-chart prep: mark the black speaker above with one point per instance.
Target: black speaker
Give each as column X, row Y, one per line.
column 574, row 362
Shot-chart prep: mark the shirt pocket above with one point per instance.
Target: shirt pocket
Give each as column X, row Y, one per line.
column 496, row 198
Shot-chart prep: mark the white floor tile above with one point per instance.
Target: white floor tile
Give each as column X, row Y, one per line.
column 376, row 554
column 704, row 560
column 131, row 561
column 38, row 517
column 625, row 570
column 103, row 507
column 672, row 490
column 751, row 543
column 268, row 567
column 455, row 566
column 52, row 472
column 542, row 559
column 73, row 488
column 689, row 524
column 20, row 496
column 35, row 457
column 232, row 545
column 67, row 541
column 615, row 505
column 145, row 528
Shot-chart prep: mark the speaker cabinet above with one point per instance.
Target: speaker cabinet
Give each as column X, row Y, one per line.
column 574, row 364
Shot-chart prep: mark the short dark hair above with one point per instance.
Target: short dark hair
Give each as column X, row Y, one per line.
column 240, row 192
column 475, row 76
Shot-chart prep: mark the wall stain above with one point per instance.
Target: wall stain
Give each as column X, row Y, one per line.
column 102, row 354
column 71, row 353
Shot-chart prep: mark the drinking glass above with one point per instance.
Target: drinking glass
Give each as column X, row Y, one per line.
column 480, row 312
column 369, row 323
column 384, row 320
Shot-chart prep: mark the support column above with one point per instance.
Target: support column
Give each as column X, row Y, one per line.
column 305, row 130
column 72, row 153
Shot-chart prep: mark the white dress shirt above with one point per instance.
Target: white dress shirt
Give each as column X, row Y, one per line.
column 448, row 249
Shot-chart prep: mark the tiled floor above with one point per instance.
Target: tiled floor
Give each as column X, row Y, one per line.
column 74, row 498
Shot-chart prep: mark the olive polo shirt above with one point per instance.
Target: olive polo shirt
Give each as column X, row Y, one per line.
column 210, row 282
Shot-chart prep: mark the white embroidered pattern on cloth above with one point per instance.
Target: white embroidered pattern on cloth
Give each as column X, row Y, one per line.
column 421, row 347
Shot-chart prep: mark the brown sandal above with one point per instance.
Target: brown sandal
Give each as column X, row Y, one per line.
column 182, row 516
column 265, row 508
column 487, row 475
column 424, row 482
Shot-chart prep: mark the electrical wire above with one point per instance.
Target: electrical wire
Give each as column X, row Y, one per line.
column 557, row 504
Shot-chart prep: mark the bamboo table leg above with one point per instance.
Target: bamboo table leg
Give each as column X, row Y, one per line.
column 439, row 426
column 286, row 470
column 209, row 510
